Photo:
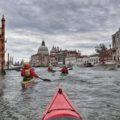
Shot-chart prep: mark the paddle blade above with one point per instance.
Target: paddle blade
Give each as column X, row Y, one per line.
column 53, row 71
column 47, row 80
column 44, row 79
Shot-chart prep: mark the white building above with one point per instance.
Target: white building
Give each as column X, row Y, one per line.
column 71, row 57
column 87, row 59
column 70, row 61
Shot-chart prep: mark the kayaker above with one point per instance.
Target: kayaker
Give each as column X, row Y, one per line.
column 28, row 73
column 64, row 70
column 50, row 68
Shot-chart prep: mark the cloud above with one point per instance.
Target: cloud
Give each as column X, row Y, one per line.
column 73, row 24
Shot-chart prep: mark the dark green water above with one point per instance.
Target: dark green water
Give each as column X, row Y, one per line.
column 95, row 94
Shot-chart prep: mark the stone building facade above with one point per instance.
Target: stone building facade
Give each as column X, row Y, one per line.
column 41, row 59
column 71, row 57
column 63, row 57
column 116, row 46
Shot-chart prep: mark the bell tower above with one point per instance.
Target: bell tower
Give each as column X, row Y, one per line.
column 3, row 26
column 2, row 46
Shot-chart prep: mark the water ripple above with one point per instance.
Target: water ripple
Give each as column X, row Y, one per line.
column 95, row 93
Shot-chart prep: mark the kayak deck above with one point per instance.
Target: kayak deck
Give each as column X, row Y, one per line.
column 27, row 84
column 60, row 108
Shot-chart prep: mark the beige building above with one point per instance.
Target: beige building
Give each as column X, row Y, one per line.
column 71, row 57
column 41, row 59
column 61, row 57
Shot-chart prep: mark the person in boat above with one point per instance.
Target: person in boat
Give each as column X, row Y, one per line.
column 28, row 73
column 64, row 70
column 50, row 68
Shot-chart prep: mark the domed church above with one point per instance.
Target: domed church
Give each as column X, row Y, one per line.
column 41, row 59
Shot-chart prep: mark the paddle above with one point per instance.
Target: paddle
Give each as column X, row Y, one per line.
column 54, row 71
column 44, row 79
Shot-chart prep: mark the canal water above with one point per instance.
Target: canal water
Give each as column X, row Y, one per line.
column 94, row 92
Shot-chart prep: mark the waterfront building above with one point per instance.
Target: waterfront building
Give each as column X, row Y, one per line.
column 53, row 59
column 83, row 60
column 71, row 57
column 57, row 56
column 94, row 59
column 116, row 46
column 106, row 56
column 41, row 59
column 63, row 57
column 54, row 56
column 2, row 46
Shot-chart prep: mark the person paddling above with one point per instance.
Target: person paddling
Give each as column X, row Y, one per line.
column 28, row 73
column 50, row 68
column 64, row 70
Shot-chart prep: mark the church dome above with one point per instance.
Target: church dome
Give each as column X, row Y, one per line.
column 43, row 49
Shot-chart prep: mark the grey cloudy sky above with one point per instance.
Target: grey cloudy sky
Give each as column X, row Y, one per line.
column 69, row 24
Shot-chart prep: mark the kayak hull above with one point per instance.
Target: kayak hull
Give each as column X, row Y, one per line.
column 61, row 108
column 62, row 113
column 64, row 73
column 27, row 84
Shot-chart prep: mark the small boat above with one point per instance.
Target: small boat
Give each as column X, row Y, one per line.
column 27, row 84
column 64, row 74
column 52, row 71
column 88, row 65
column 70, row 68
column 60, row 108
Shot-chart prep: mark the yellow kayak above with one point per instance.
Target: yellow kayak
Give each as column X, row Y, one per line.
column 27, row 84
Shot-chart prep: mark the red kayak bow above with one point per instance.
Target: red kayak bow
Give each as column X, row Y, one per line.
column 60, row 108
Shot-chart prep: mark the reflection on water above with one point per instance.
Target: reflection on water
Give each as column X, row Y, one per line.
column 1, row 84
column 95, row 93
